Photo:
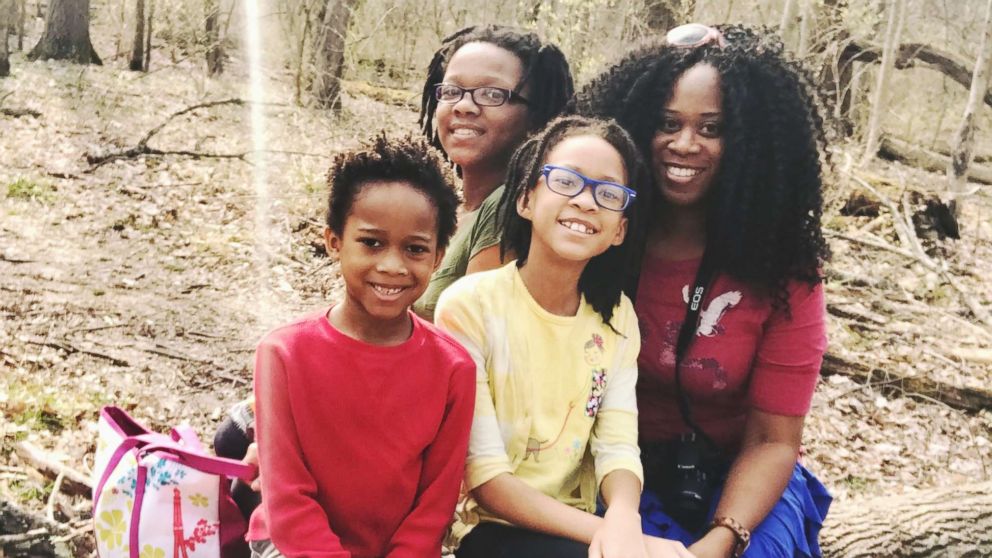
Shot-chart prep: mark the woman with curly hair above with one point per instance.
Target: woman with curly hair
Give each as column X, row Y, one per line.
column 729, row 124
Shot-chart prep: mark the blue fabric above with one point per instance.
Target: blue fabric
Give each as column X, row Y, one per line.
column 790, row 530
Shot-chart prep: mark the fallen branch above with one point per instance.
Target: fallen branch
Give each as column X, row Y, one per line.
column 920, row 157
column 963, row 398
column 65, row 346
column 16, row 520
column 56, row 488
column 907, row 57
column 912, row 248
column 17, row 113
column 24, row 537
column 142, row 147
column 75, row 482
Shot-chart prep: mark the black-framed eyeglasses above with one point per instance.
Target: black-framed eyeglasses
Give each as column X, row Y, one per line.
column 487, row 96
column 567, row 182
column 693, row 35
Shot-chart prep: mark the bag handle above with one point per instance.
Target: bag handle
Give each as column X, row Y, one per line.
column 184, row 433
column 207, row 464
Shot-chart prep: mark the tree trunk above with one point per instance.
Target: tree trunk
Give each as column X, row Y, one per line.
column 805, row 28
column 67, row 33
column 137, row 62
column 6, row 19
column 21, row 16
column 937, row 522
column 659, row 15
column 787, row 26
column 326, row 87
column 148, row 35
column 964, row 141
column 215, row 52
column 896, row 9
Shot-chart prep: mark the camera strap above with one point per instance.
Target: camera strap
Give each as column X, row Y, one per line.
column 704, row 277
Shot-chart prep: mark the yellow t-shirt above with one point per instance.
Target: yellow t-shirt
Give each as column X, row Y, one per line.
column 555, row 401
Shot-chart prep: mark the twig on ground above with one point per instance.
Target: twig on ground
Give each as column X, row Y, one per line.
column 142, row 147
column 17, row 113
column 69, row 348
column 74, row 481
column 56, row 487
column 24, row 537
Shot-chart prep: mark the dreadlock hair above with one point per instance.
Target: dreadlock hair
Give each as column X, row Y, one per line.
column 602, row 279
column 544, row 68
column 409, row 160
column 764, row 208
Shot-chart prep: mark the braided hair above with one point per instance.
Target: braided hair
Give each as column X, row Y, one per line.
column 765, row 205
column 545, row 69
column 601, row 281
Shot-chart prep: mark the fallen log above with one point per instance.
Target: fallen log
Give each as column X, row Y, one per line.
column 73, row 482
column 958, row 397
column 920, row 157
column 949, row 521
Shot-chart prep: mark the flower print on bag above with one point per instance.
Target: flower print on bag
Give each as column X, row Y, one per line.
column 111, row 528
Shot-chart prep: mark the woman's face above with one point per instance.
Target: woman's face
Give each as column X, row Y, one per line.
column 474, row 135
column 688, row 144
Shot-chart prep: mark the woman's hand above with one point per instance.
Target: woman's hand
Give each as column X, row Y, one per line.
column 619, row 536
column 664, row 548
column 718, row 543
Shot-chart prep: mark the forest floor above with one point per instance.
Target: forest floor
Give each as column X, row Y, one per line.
column 145, row 282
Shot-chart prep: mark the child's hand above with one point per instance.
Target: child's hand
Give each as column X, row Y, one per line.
column 619, row 536
column 664, row 548
column 251, row 458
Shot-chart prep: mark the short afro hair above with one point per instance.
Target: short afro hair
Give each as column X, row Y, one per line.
column 408, row 159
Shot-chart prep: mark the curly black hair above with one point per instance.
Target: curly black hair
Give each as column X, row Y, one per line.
column 408, row 159
column 544, row 68
column 602, row 280
column 765, row 206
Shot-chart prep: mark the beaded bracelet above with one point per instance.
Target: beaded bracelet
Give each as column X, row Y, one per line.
column 742, row 535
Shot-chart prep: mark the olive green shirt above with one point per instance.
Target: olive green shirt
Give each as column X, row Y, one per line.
column 479, row 230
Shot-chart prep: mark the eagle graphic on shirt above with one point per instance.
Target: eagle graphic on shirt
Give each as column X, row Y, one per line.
column 709, row 317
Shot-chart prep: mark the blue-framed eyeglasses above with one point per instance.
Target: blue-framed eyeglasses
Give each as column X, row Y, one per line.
column 567, row 182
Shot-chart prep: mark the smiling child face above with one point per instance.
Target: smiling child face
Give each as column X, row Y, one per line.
column 387, row 252
column 575, row 229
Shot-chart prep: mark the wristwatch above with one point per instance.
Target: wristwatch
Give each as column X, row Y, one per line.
column 742, row 535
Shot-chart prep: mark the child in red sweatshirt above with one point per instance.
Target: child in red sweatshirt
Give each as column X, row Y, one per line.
column 363, row 410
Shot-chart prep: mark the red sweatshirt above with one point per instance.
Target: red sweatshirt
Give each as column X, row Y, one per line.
column 361, row 447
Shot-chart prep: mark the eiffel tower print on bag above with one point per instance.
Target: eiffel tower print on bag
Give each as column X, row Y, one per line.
column 159, row 496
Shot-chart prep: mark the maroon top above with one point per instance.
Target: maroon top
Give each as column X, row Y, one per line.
column 744, row 355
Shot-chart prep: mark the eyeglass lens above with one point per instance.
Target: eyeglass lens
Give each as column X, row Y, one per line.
column 482, row 96
column 571, row 184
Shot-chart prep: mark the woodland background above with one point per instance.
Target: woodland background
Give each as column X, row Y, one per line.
column 161, row 191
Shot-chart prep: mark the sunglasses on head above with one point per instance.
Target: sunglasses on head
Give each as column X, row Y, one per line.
column 693, row 35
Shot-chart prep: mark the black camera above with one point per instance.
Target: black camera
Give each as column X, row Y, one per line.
column 692, row 482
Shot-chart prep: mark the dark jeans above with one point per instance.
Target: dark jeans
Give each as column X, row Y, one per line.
column 232, row 442
column 494, row 540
